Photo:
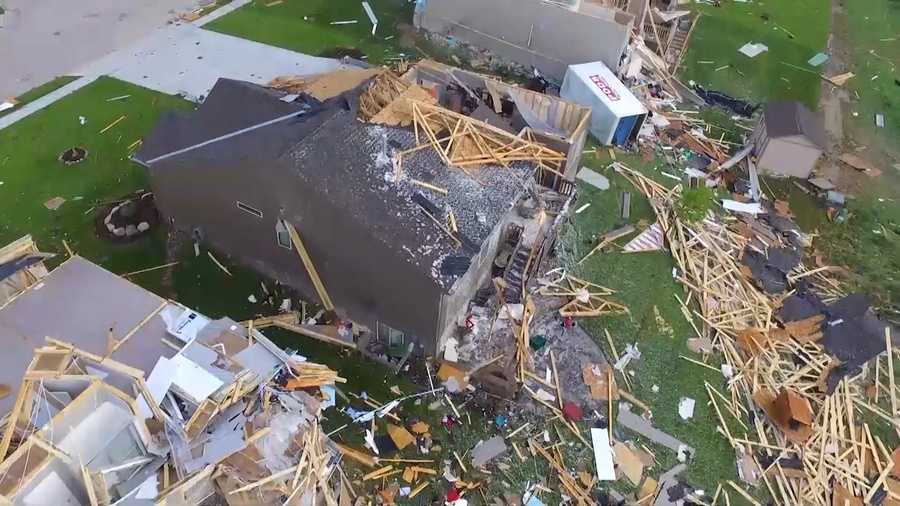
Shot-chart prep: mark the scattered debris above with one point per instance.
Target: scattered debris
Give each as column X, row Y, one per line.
column 817, row 59
column 593, row 178
column 54, row 203
column 485, row 451
column 753, row 49
column 686, row 408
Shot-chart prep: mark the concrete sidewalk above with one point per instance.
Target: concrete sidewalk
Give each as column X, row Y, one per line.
column 184, row 59
column 187, row 60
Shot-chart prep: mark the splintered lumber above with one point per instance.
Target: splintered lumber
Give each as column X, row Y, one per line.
column 308, row 374
column 418, row 490
column 429, row 186
column 586, row 299
column 218, row 263
column 310, row 267
column 764, row 356
column 607, row 239
column 378, row 473
column 473, row 143
column 523, row 356
column 569, row 483
column 360, row 457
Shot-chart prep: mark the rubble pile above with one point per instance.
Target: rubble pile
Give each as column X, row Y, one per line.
column 229, row 415
column 799, row 372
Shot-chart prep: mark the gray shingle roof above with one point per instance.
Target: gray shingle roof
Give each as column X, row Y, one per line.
column 789, row 118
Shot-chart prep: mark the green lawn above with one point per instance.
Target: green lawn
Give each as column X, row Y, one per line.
column 794, row 32
column 31, row 175
column 874, row 33
column 39, row 91
column 305, row 26
column 644, row 281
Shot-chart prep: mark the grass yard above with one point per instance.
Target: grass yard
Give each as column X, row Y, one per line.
column 305, row 26
column 794, row 31
column 874, row 35
column 39, row 91
column 644, row 283
column 31, row 175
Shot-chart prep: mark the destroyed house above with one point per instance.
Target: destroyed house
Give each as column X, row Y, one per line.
column 262, row 178
column 545, row 35
column 123, row 397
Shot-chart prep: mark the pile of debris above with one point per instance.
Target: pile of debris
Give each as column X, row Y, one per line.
column 802, row 374
column 223, row 412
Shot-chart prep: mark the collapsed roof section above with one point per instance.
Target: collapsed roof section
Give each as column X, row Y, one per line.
column 210, row 407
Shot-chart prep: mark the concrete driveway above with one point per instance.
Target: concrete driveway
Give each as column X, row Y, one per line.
column 42, row 39
column 178, row 59
column 186, row 60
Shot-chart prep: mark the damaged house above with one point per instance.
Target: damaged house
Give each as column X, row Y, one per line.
column 391, row 235
column 534, row 32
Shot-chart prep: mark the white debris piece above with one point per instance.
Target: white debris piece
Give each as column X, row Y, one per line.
column 740, row 207
column 603, row 456
column 593, row 178
column 753, row 49
column 631, row 353
column 451, row 353
column 370, row 442
column 371, row 14
column 686, row 408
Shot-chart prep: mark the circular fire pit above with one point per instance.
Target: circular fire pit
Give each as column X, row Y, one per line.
column 129, row 219
column 73, row 155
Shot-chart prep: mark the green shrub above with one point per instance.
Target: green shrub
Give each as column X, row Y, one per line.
column 695, row 203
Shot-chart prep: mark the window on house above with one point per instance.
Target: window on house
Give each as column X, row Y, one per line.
column 249, row 209
column 391, row 336
column 282, row 236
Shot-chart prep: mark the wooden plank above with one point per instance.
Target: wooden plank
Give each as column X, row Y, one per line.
column 299, row 329
column 310, row 267
column 13, row 418
column 429, row 186
column 114, row 123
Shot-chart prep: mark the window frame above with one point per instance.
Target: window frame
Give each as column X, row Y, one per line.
column 249, row 209
column 280, row 222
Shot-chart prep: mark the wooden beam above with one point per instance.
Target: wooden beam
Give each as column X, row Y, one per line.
column 304, row 331
column 310, row 267
column 13, row 418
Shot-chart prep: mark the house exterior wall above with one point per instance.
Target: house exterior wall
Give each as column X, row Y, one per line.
column 367, row 281
column 455, row 304
column 528, row 31
column 788, row 156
